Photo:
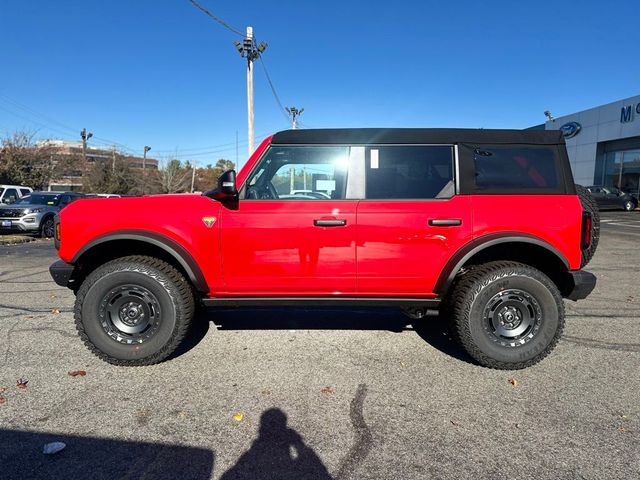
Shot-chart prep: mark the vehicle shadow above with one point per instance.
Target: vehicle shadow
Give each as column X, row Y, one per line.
column 432, row 329
column 98, row 458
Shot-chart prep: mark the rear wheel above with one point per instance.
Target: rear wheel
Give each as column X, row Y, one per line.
column 506, row 315
column 589, row 205
column 629, row 206
column 134, row 310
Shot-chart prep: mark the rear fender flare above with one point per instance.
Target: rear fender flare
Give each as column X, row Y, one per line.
column 462, row 256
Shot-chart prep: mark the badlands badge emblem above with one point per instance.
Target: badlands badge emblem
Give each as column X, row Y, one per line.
column 209, row 221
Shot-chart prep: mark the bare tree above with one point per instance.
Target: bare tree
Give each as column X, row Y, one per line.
column 173, row 177
column 24, row 162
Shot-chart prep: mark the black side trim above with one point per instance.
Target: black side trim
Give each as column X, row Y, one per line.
column 333, row 301
column 61, row 272
column 458, row 259
column 583, row 285
column 174, row 249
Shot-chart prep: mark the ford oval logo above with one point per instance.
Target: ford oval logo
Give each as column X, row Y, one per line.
column 570, row 129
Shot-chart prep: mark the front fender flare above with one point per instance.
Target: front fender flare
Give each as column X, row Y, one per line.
column 173, row 248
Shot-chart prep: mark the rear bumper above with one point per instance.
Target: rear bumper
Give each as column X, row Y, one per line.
column 583, row 284
column 61, row 272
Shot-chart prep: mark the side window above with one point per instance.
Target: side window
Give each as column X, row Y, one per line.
column 64, row 200
column 10, row 195
column 514, row 168
column 24, row 192
column 300, row 173
column 409, row 172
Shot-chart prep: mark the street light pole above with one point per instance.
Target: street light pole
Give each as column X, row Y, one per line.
column 249, row 50
column 144, row 168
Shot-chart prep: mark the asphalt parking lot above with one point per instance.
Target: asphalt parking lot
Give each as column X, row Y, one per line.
column 322, row 393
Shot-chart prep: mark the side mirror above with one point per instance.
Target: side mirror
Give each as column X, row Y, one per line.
column 227, row 189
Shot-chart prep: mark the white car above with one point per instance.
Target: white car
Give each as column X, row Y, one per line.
column 13, row 193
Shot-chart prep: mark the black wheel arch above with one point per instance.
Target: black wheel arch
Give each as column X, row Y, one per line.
column 510, row 246
column 131, row 242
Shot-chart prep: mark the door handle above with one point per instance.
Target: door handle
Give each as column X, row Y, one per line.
column 445, row 222
column 324, row 222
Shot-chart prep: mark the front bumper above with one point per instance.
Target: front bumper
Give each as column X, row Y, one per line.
column 583, row 284
column 28, row 223
column 61, row 272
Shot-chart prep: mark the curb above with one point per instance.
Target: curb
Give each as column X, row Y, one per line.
column 16, row 240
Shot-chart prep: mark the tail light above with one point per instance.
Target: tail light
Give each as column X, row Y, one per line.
column 587, row 224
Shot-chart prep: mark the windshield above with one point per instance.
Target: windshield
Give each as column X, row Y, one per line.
column 39, row 199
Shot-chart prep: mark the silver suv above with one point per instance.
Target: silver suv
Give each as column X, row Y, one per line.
column 35, row 212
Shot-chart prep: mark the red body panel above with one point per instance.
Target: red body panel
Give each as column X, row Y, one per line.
column 273, row 248
column 177, row 217
column 556, row 219
column 399, row 253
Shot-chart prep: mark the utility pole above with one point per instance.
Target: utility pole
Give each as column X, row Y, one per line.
column 294, row 113
column 193, row 176
column 144, row 168
column 85, row 136
column 249, row 50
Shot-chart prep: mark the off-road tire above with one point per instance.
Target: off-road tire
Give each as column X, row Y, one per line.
column 474, row 290
column 47, row 228
column 175, row 301
column 589, row 205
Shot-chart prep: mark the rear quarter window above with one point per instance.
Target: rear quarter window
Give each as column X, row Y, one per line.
column 513, row 169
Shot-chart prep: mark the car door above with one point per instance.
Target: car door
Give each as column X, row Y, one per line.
column 292, row 233
column 411, row 220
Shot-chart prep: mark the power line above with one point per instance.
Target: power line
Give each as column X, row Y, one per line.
column 216, row 18
column 63, row 128
column 273, row 90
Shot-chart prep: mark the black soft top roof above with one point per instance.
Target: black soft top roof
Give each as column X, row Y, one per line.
column 379, row 136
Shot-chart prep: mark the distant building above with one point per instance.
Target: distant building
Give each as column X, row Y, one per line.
column 604, row 144
column 73, row 181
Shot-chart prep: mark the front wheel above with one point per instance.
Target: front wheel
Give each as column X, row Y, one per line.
column 47, row 229
column 134, row 310
column 506, row 315
column 629, row 206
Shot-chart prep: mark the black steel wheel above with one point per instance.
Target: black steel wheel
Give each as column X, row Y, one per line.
column 47, row 229
column 134, row 310
column 506, row 315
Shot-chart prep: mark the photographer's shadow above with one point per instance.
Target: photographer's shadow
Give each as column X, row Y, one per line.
column 279, row 452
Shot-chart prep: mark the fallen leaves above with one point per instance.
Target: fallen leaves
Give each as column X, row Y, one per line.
column 2, row 400
column 55, row 311
column 238, row 417
column 22, row 383
column 328, row 390
column 77, row 373
column 513, row 382
column 266, row 392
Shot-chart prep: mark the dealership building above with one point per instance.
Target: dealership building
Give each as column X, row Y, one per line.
column 604, row 144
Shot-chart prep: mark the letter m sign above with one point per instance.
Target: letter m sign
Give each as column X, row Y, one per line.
column 626, row 114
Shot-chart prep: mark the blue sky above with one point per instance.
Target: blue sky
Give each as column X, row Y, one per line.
column 161, row 73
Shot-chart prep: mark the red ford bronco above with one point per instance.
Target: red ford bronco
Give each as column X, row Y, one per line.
column 486, row 226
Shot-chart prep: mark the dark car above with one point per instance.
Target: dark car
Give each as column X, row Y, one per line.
column 613, row 198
